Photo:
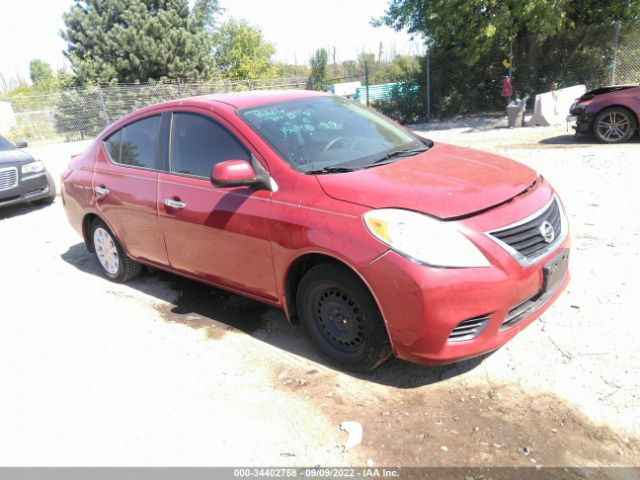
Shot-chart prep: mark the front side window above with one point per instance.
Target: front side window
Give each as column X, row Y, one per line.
column 198, row 143
column 330, row 132
column 135, row 144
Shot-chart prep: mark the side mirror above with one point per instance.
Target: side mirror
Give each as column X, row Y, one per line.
column 22, row 144
column 233, row 173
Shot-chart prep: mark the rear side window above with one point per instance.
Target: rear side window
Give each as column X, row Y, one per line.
column 198, row 143
column 135, row 144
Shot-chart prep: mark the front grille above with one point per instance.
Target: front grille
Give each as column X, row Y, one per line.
column 526, row 237
column 468, row 329
column 8, row 178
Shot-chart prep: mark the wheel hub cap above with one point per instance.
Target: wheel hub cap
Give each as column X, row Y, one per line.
column 106, row 251
column 613, row 126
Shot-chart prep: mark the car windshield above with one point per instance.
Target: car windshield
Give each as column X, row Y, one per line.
column 330, row 134
column 6, row 144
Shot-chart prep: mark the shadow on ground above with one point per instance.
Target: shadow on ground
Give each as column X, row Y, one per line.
column 217, row 312
column 572, row 139
column 21, row 209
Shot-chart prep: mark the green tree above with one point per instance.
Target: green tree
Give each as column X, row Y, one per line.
column 377, row 70
column 206, row 13
column 318, row 74
column 470, row 29
column 241, row 52
column 403, row 68
column 40, row 72
column 131, row 41
column 350, row 68
column 290, row 70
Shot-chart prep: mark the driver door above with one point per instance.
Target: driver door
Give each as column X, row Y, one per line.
column 220, row 235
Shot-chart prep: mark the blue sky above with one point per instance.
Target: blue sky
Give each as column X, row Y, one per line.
column 29, row 29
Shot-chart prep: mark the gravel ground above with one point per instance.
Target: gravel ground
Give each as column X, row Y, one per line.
column 165, row 371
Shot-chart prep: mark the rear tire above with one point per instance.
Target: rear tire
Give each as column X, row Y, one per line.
column 614, row 125
column 108, row 252
column 342, row 318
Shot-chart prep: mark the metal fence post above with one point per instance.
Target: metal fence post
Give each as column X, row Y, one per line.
column 428, row 89
column 366, row 81
column 104, row 106
column 614, row 65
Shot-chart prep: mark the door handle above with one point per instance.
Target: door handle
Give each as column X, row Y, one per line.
column 168, row 202
column 101, row 191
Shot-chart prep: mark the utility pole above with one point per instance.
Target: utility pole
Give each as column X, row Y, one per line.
column 511, row 60
column 366, row 81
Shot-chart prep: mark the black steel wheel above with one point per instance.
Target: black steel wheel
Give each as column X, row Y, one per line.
column 614, row 125
column 342, row 318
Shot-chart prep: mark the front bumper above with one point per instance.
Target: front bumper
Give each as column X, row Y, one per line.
column 583, row 121
column 28, row 189
column 422, row 305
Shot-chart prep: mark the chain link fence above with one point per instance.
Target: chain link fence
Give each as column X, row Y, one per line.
column 446, row 86
column 626, row 60
column 81, row 113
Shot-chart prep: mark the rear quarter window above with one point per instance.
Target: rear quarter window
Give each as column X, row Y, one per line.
column 135, row 145
column 112, row 146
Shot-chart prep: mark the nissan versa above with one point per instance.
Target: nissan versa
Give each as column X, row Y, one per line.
column 376, row 240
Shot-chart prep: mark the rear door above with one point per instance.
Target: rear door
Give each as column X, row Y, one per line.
column 125, row 185
column 221, row 235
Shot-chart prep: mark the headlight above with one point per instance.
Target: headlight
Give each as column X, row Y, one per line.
column 424, row 239
column 33, row 167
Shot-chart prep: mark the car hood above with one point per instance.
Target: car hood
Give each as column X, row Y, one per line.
column 14, row 156
column 604, row 90
column 445, row 182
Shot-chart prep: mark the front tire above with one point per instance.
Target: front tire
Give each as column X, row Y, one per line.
column 342, row 318
column 614, row 125
column 108, row 252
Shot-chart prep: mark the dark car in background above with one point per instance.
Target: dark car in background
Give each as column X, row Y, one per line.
column 23, row 178
column 611, row 114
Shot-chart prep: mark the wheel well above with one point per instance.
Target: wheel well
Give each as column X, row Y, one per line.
column 295, row 273
column 86, row 230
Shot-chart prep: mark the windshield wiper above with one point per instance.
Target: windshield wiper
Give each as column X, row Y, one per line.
column 329, row 170
column 398, row 153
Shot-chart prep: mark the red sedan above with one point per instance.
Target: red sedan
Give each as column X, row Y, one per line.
column 378, row 241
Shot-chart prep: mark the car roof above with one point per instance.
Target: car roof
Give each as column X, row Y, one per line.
column 257, row 98
column 239, row 100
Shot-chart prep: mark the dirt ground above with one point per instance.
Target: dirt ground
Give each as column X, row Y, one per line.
column 165, row 371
